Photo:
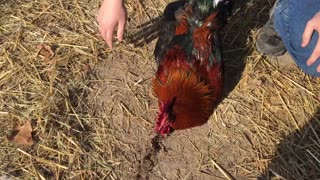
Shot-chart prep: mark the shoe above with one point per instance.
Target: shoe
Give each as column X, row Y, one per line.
column 283, row 61
column 268, row 41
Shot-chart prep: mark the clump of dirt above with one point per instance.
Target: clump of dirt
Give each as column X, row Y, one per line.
column 150, row 160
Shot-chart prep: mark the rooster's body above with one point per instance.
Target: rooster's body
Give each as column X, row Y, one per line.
column 189, row 78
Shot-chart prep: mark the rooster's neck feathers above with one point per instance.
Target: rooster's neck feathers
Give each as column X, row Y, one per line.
column 193, row 104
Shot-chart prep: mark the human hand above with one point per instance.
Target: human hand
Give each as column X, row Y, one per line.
column 111, row 13
column 312, row 25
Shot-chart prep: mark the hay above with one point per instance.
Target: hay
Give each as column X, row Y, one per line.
column 53, row 95
column 83, row 132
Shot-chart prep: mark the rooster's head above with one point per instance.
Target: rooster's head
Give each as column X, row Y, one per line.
column 166, row 117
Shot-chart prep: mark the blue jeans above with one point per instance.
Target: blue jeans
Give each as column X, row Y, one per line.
column 290, row 19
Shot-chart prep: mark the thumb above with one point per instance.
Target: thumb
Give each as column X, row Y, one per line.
column 306, row 36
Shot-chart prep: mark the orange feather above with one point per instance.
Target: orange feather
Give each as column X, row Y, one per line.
column 202, row 36
column 182, row 27
column 194, row 96
column 189, row 81
column 194, row 104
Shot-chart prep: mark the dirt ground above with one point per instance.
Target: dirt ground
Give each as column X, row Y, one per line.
column 238, row 135
column 266, row 127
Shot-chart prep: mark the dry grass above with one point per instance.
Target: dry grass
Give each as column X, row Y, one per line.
column 269, row 120
column 53, row 94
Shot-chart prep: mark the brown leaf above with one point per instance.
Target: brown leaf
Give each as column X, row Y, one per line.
column 21, row 135
column 45, row 52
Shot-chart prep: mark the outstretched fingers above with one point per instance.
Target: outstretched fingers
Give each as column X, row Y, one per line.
column 315, row 54
column 121, row 27
column 312, row 26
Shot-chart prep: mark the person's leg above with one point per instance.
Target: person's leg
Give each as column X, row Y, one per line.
column 290, row 19
column 268, row 41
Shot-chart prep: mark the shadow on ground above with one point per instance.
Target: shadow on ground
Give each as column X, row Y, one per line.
column 298, row 155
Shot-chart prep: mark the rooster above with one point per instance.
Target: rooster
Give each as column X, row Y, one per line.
column 189, row 79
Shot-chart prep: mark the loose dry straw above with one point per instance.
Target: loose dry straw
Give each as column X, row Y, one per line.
column 225, row 173
column 295, row 83
column 43, row 160
column 313, row 156
column 286, row 107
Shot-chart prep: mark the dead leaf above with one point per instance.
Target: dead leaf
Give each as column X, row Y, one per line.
column 45, row 52
column 21, row 135
column 85, row 68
